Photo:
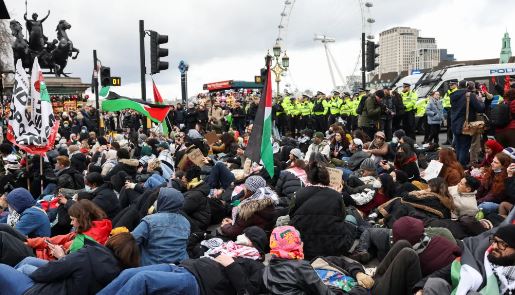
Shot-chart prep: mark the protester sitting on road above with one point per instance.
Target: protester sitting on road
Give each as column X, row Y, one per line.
column 451, row 172
column 256, row 206
column 32, row 221
column 291, row 179
column 464, row 196
column 491, row 192
column 492, row 148
column 85, row 271
column 405, row 160
column 196, row 203
column 163, row 236
column 339, row 147
column 378, row 147
column 319, row 145
column 103, row 195
column 318, row 213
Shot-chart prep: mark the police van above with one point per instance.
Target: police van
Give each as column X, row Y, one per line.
column 439, row 80
column 410, row 79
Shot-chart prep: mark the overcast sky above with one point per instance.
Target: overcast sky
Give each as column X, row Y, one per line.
column 228, row 39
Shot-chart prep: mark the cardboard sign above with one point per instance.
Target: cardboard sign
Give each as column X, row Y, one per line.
column 196, row 157
column 433, row 170
column 211, row 137
column 335, row 178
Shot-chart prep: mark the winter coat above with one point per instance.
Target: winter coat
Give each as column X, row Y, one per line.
column 289, row 183
column 79, row 162
column 371, row 113
column 84, row 272
column 196, row 205
column 99, row 232
column 216, row 114
column 464, row 203
column 319, row 215
column 179, row 116
column 410, row 167
column 420, row 204
column 458, row 109
column 260, row 213
column 106, row 199
column 434, row 112
column 202, row 116
column 163, row 236
column 505, row 136
column 243, row 276
column 130, row 166
column 322, row 148
column 289, row 277
column 33, row 221
column 70, row 178
column 191, row 118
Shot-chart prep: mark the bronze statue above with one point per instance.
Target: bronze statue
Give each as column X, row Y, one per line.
column 20, row 46
column 52, row 55
column 35, row 27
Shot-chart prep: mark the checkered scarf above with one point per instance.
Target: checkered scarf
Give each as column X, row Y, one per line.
column 506, row 276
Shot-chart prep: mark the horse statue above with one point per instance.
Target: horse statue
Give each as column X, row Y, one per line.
column 35, row 27
column 61, row 34
column 60, row 56
column 20, row 46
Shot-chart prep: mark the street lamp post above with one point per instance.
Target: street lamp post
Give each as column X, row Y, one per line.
column 280, row 65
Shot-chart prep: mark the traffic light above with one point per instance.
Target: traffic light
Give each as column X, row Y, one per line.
column 156, row 52
column 371, row 56
column 105, row 76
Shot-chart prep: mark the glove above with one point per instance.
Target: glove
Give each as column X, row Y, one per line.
column 364, row 280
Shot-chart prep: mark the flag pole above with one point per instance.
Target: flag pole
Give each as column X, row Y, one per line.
column 41, row 172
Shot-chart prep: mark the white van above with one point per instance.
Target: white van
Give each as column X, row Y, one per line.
column 438, row 80
column 411, row 79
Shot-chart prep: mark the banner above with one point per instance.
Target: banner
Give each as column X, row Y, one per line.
column 32, row 125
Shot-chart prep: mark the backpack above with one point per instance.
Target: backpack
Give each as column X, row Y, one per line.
column 500, row 116
column 361, row 105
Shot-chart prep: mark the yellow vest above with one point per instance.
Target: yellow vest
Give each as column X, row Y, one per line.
column 409, row 99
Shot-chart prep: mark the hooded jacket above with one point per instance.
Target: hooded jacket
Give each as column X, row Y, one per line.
column 84, row 272
column 319, row 215
column 33, row 221
column 163, row 236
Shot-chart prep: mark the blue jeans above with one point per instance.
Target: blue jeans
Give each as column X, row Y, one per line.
column 30, row 264
column 489, row 207
column 13, row 282
column 463, row 143
column 153, row 279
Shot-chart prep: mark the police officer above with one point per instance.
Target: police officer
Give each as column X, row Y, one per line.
column 281, row 119
column 334, row 109
column 320, row 109
column 421, row 118
column 287, row 108
column 409, row 99
column 446, row 103
column 295, row 116
column 346, row 108
column 304, row 112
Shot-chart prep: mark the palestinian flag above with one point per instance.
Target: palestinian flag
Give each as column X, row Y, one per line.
column 114, row 103
column 260, row 149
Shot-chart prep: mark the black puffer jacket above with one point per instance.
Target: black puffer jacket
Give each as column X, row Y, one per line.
column 286, row 186
column 83, row 272
column 130, row 166
column 196, row 205
column 70, row 178
column 319, row 215
column 105, row 198
column 241, row 277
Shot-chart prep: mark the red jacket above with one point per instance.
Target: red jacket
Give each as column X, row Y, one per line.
column 99, row 231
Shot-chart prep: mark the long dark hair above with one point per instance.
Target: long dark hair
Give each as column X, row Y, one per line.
column 317, row 173
column 402, row 156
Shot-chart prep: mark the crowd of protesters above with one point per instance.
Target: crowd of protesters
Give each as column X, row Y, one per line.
column 120, row 210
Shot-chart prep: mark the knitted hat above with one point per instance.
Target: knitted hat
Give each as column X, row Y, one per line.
column 495, row 146
column 368, row 164
column 285, row 243
column 253, row 183
column 258, row 237
column 297, row 153
column 146, row 150
column 510, row 152
column 507, row 234
column 408, row 228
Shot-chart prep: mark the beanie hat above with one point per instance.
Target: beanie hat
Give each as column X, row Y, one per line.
column 507, row 234
column 258, row 237
column 510, row 152
column 285, row 243
column 368, row 164
column 358, row 142
column 146, row 150
column 253, row 183
column 408, row 228
column 494, row 145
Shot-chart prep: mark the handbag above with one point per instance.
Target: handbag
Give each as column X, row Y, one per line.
column 471, row 128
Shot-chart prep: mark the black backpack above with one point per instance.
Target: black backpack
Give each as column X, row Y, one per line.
column 361, row 105
column 500, row 116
